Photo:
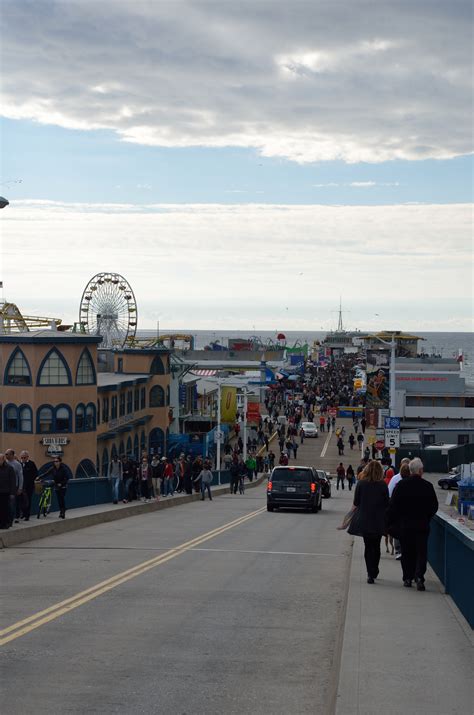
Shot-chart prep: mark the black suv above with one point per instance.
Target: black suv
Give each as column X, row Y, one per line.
column 296, row 487
column 325, row 483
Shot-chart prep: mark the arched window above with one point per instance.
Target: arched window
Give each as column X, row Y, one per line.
column 105, row 463
column 90, row 417
column 157, row 367
column 113, row 452
column 11, row 418
column 98, row 412
column 17, row 371
column 142, row 398
column 121, row 449
column 135, row 447
column 156, row 441
column 62, row 422
column 54, row 370
column 129, row 446
column 86, row 469
column 80, row 417
column 45, row 419
column 142, row 444
column 157, row 396
column 168, row 395
column 85, row 374
column 26, row 419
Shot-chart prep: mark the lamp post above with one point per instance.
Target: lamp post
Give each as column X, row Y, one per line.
column 218, row 435
column 245, row 422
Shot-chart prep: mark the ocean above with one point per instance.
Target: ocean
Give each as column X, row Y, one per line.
column 445, row 344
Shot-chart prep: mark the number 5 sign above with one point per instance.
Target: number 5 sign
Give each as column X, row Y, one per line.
column 392, row 438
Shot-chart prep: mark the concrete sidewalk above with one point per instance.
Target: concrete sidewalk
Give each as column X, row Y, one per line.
column 98, row 514
column 403, row 651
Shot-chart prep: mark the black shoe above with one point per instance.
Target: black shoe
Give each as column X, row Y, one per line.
column 370, row 580
column 115, row 502
column 420, row 586
column 407, row 583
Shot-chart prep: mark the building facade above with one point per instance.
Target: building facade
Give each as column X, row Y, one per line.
column 55, row 401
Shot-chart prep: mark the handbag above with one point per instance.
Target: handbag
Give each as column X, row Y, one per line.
column 354, row 528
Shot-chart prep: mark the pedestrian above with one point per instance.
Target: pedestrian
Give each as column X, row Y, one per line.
column 16, row 499
column 234, row 476
column 341, row 475
column 283, row 461
column 350, row 476
column 127, row 479
column 59, row 473
column 294, row 447
column 7, row 491
column 360, row 440
column 322, row 422
column 115, row 477
column 180, row 469
column 144, row 475
column 367, row 454
column 30, row 473
column 188, row 477
column 351, row 440
column 412, row 506
column 155, row 475
column 271, row 459
column 402, row 474
column 363, row 424
column 168, row 478
column 301, row 436
column 389, row 473
column 340, row 446
column 333, row 423
column 371, row 500
column 205, row 478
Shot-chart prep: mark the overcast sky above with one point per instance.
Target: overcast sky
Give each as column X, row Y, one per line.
column 242, row 164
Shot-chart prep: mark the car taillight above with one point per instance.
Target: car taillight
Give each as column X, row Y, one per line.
column 313, row 487
column 269, row 486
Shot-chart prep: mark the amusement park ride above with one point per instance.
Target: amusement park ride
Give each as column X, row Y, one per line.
column 12, row 320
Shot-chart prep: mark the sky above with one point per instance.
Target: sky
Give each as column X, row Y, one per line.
column 243, row 165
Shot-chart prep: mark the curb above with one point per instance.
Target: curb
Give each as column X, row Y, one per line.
column 14, row 537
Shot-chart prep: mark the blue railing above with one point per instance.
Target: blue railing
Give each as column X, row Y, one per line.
column 451, row 556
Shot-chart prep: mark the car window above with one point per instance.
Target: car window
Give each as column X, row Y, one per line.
column 292, row 474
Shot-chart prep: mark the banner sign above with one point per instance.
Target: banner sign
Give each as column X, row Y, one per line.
column 228, row 404
column 253, row 412
column 378, row 378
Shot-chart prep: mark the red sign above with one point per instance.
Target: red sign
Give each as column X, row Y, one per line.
column 332, row 411
column 380, row 444
column 253, row 412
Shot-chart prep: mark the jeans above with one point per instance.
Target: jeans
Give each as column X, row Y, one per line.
column 372, row 554
column 61, row 496
column 341, row 480
column 115, row 488
column 128, row 484
column 169, row 487
column 205, row 487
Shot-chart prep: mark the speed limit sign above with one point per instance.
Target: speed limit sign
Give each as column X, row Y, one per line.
column 392, row 438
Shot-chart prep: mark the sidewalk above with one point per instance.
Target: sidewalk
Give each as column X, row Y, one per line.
column 403, row 651
column 99, row 514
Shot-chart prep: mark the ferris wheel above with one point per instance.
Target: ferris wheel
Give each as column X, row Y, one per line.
column 108, row 308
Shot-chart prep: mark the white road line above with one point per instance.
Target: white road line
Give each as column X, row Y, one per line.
column 271, row 553
column 326, row 444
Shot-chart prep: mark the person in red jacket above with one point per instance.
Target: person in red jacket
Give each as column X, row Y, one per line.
column 389, row 473
column 168, row 476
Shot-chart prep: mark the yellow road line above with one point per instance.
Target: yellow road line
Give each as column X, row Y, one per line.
column 21, row 628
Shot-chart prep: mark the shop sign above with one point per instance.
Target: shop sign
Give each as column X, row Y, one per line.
column 54, row 441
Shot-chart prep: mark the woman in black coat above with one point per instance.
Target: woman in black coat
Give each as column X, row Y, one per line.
column 60, row 476
column 371, row 499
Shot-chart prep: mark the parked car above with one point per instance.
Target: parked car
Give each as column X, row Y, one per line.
column 296, row 487
column 309, row 429
column 325, row 483
column 450, row 482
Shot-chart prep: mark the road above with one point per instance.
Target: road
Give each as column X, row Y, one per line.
column 244, row 619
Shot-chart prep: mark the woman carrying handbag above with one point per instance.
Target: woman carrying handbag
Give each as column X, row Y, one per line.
column 367, row 518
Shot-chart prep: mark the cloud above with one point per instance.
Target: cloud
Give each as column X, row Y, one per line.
column 357, row 184
column 190, row 261
column 301, row 82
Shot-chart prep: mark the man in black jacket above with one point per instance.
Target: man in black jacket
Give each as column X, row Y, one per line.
column 412, row 506
column 30, row 473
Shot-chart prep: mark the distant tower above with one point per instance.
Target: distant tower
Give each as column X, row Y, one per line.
column 340, row 329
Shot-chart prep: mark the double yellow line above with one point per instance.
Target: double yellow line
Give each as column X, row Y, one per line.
column 21, row 628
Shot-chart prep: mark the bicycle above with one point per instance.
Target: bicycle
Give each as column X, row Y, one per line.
column 45, row 490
